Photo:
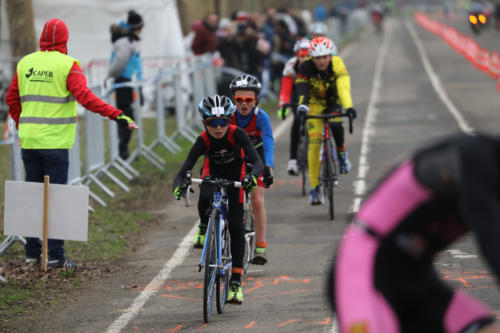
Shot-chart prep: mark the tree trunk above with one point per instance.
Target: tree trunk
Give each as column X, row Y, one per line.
column 21, row 28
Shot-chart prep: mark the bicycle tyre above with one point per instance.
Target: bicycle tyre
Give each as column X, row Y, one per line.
column 210, row 266
column 328, row 178
column 222, row 285
column 249, row 240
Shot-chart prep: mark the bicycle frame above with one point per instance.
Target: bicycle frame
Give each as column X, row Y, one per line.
column 221, row 205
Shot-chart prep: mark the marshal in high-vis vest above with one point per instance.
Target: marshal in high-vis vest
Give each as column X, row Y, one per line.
column 42, row 100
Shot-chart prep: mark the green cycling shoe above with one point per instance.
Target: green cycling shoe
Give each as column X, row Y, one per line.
column 235, row 294
column 199, row 237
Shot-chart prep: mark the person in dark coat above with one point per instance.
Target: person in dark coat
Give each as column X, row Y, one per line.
column 205, row 39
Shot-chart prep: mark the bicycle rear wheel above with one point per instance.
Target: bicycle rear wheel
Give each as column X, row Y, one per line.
column 210, row 266
column 222, row 285
column 249, row 239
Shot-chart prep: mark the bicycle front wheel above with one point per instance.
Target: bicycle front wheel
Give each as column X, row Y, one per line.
column 223, row 271
column 210, row 266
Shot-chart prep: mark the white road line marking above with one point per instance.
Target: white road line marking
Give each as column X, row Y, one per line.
column 460, row 254
column 152, row 288
column 436, row 82
column 177, row 259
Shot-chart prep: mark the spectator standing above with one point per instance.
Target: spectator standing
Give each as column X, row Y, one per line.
column 42, row 101
column 205, row 39
column 125, row 62
column 226, row 44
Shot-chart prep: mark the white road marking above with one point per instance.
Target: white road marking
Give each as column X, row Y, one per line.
column 177, row 259
column 359, row 183
column 436, row 82
column 460, row 254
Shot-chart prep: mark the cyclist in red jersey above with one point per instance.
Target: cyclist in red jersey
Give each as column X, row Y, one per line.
column 226, row 148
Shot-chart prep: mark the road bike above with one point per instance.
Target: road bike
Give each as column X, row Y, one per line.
column 216, row 256
column 329, row 174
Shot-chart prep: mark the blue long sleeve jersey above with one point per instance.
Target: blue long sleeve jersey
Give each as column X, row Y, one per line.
column 264, row 126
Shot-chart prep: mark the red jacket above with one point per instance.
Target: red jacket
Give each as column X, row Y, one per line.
column 54, row 38
column 205, row 40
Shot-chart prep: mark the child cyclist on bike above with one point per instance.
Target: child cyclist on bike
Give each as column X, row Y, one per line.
column 245, row 91
column 323, row 84
column 288, row 94
column 226, row 147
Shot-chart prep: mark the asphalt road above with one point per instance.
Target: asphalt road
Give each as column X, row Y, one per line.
column 400, row 108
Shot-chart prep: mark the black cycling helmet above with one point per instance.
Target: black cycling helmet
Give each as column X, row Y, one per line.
column 216, row 106
column 245, row 82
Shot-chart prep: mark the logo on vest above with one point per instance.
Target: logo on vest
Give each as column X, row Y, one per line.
column 39, row 76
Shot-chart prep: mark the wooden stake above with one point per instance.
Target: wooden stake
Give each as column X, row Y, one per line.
column 46, row 182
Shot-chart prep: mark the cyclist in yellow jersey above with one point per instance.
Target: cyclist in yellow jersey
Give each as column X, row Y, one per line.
column 323, row 83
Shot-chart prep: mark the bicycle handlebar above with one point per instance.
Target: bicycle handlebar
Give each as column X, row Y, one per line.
column 331, row 115
column 220, row 182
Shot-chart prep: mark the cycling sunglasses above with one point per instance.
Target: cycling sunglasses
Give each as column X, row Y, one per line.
column 214, row 122
column 244, row 99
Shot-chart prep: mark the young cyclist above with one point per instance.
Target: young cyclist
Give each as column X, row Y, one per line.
column 385, row 280
column 288, row 95
column 323, row 84
column 226, row 147
column 245, row 91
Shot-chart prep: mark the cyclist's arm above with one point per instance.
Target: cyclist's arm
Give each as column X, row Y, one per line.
column 264, row 125
column 343, row 82
column 477, row 191
column 198, row 149
column 286, row 90
column 241, row 139
column 287, row 81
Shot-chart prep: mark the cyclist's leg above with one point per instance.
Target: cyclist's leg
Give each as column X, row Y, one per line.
column 237, row 231
column 314, row 127
column 260, row 220
column 204, row 201
column 339, row 137
column 294, row 137
column 358, row 304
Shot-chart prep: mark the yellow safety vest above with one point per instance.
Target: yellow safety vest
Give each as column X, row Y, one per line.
column 48, row 117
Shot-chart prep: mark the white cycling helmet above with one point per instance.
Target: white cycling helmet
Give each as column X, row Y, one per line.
column 318, row 28
column 321, row 46
column 301, row 44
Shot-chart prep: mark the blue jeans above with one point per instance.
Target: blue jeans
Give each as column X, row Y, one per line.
column 55, row 164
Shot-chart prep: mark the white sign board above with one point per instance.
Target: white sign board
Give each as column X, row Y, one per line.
column 67, row 215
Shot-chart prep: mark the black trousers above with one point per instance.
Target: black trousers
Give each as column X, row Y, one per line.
column 124, row 100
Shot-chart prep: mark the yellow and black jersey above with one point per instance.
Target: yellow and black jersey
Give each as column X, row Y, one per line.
column 325, row 88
